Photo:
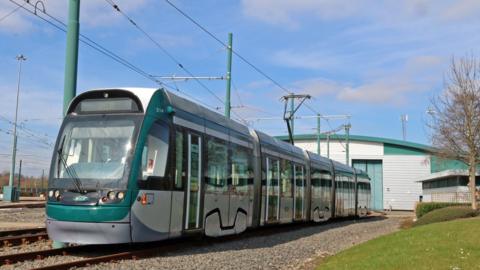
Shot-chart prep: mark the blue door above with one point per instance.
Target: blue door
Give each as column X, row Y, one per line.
column 374, row 170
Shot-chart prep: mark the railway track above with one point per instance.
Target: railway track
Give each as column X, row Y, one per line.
column 22, row 236
column 91, row 254
column 109, row 254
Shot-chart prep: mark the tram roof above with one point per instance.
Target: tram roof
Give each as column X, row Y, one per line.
column 144, row 94
column 342, row 167
column 182, row 103
column 319, row 160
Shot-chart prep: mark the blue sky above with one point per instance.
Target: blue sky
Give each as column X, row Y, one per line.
column 370, row 59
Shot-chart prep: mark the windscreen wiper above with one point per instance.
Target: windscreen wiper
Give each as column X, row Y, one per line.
column 70, row 171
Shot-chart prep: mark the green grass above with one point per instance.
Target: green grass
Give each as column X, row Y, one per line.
column 426, row 207
column 445, row 245
column 446, row 214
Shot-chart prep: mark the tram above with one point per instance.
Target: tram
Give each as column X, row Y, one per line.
column 139, row 165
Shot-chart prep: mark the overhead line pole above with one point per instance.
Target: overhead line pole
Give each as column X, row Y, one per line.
column 71, row 57
column 328, row 145
column 347, row 144
column 9, row 192
column 289, row 115
column 229, row 76
column 318, row 134
column 20, row 179
column 292, row 121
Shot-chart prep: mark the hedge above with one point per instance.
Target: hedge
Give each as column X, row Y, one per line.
column 425, row 207
column 446, row 214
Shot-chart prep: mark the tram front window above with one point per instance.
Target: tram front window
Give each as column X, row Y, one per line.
column 92, row 152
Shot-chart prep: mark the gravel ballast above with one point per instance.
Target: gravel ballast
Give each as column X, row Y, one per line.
column 293, row 249
column 296, row 247
column 17, row 218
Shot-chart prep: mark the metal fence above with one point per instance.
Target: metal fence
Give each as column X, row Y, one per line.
column 453, row 197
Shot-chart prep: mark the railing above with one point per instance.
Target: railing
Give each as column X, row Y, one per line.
column 453, row 197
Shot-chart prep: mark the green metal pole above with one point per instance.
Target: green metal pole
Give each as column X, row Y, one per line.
column 43, row 177
column 19, row 179
column 328, row 145
column 71, row 57
column 292, row 108
column 229, row 76
column 347, row 144
column 318, row 134
column 11, row 190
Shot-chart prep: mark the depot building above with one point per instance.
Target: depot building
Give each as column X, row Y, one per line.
column 396, row 167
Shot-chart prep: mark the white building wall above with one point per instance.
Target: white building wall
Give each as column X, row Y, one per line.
column 358, row 150
column 400, row 173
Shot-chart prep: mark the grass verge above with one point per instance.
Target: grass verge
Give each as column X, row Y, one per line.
column 446, row 214
column 445, row 245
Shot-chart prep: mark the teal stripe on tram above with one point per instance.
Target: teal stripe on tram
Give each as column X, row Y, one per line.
column 87, row 213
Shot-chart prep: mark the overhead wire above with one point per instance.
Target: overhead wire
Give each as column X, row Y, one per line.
column 87, row 41
column 237, row 93
column 245, row 60
column 163, row 49
column 96, row 46
column 10, row 13
column 166, row 52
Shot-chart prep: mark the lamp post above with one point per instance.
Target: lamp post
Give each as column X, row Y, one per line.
column 10, row 192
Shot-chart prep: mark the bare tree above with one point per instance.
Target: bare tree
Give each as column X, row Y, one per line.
column 456, row 121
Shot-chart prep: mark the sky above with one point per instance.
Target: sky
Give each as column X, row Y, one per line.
column 373, row 60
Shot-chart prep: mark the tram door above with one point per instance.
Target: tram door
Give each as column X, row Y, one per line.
column 194, row 156
column 299, row 202
column 272, row 190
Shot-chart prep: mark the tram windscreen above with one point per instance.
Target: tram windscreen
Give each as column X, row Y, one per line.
column 94, row 151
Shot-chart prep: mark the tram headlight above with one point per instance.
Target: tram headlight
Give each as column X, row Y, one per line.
column 111, row 195
column 57, row 194
column 50, row 194
column 120, row 195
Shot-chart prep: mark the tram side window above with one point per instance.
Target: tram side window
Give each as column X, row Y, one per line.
column 299, row 176
column 155, row 157
column 286, row 178
column 273, row 176
column 180, row 153
column 217, row 165
column 316, row 183
column 242, row 168
column 326, row 179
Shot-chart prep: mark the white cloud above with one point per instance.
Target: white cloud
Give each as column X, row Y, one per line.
column 14, row 23
column 286, row 12
column 377, row 92
column 393, row 87
column 33, row 104
column 317, row 87
column 92, row 13
column 40, row 111
column 289, row 13
column 304, row 59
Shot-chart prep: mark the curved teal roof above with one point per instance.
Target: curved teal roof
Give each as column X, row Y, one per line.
column 387, row 141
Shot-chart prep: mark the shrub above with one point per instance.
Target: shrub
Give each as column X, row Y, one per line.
column 446, row 214
column 425, row 207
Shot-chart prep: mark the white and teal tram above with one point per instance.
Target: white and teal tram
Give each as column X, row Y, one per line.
column 138, row 165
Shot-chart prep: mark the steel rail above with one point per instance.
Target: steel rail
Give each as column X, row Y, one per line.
column 38, row 255
column 22, row 231
column 23, row 205
column 128, row 255
column 146, row 250
column 18, row 240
